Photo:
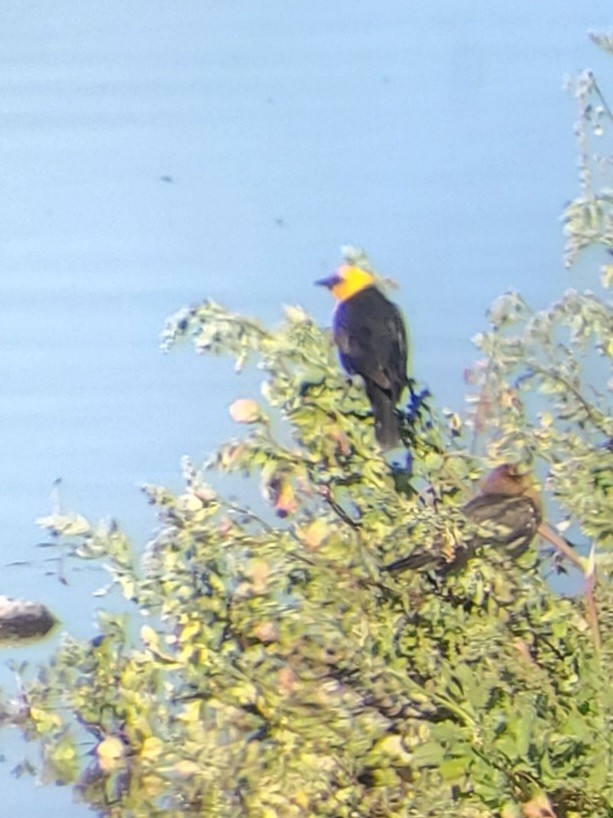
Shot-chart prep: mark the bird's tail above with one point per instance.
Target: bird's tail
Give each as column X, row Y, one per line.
column 433, row 559
column 386, row 420
column 419, row 559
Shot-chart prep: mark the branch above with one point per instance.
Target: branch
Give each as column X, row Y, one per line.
column 588, row 573
column 547, row 533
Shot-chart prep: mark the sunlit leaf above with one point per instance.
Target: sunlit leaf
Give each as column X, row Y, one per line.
column 245, row 410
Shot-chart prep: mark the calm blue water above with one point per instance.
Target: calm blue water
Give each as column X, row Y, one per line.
column 436, row 135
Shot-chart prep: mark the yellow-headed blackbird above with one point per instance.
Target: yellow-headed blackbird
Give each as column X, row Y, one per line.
column 508, row 511
column 371, row 338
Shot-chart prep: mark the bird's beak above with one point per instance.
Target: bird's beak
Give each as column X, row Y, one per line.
column 329, row 282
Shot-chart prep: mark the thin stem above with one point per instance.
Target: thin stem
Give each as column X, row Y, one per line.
column 340, row 511
column 593, row 414
column 603, row 101
column 563, row 547
column 592, row 613
column 547, row 533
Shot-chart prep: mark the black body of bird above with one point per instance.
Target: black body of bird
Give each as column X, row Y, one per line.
column 371, row 338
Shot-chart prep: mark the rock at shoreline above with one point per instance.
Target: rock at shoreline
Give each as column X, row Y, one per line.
column 20, row 619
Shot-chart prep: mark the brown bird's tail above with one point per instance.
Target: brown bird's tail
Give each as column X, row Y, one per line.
column 433, row 559
column 384, row 411
column 419, row 559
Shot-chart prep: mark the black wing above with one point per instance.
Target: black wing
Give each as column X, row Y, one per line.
column 504, row 521
column 370, row 334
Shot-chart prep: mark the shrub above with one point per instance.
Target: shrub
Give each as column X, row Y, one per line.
column 267, row 666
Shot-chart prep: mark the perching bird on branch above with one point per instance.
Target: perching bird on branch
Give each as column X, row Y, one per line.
column 371, row 338
column 508, row 512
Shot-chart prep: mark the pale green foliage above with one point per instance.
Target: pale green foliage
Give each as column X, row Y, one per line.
column 604, row 41
column 537, row 399
column 283, row 673
column 588, row 219
column 271, row 668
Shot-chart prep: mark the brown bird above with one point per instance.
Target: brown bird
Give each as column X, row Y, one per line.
column 508, row 511
column 370, row 334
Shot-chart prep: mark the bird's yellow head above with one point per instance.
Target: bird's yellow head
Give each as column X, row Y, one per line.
column 346, row 281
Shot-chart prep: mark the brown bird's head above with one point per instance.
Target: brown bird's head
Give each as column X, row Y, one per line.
column 512, row 480
column 346, row 281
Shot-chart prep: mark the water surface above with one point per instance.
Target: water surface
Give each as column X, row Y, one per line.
column 154, row 154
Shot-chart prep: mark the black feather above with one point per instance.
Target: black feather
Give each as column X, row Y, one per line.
column 371, row 338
